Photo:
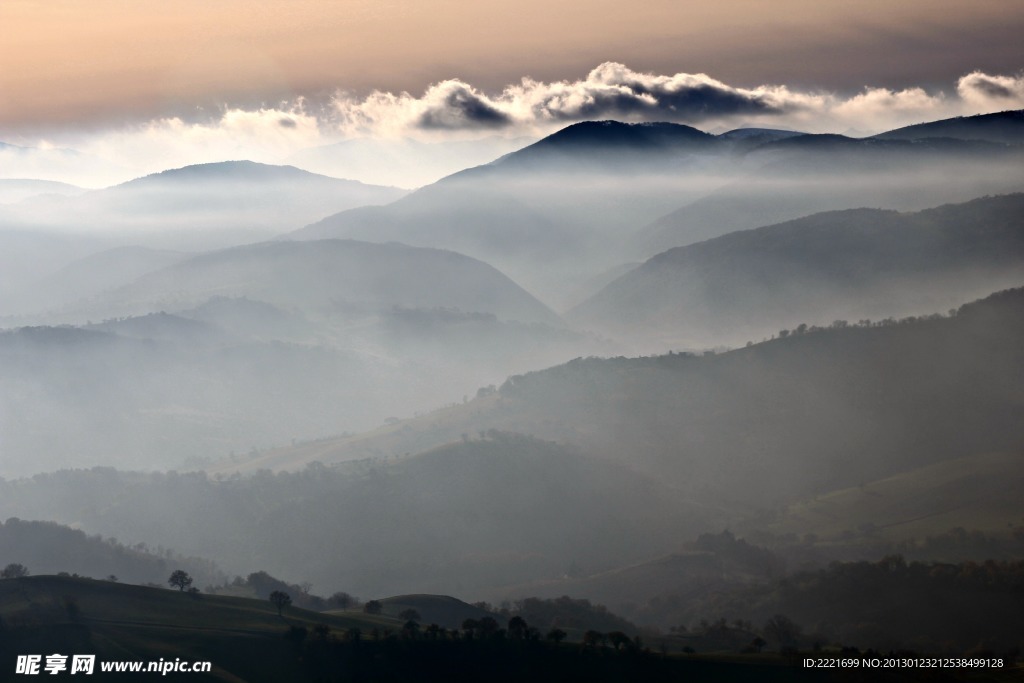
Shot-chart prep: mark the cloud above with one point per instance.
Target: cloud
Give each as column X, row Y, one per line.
column 456, row 110
column 614, row 91
column 879, row 109
column 992, row 92
column 609, row 91
column 265, row 135
column 456, row 106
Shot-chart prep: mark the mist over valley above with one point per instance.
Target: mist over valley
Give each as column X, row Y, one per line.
column 677, row 375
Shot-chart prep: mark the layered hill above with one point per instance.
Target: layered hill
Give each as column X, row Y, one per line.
column 976, row 493
column 336, row 275
column 1003, row 127
column 93, row 274
column 155, row 391
column 49, row 548
column 559, row 212
column 13, row 190
column 459, row 519
column 816, row 411
column 233, row 198
column 787, row 177
column 552, row 212
column 855, row 264
column 405, row 161
column 240, row 349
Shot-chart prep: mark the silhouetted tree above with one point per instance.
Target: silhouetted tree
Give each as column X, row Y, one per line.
column 341, row 600
column 782, row 630
column 373, row 607
column 410, row 630
column 14, row 571
column 556, row 635
column 517, row 628
column 409, row 614
column 280, row 600
column 487, row 626
column 619, row 640
column 470, row 627
column 180, row 579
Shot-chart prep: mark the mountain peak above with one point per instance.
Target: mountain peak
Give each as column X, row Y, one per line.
column 234, row 170
column 616, row 134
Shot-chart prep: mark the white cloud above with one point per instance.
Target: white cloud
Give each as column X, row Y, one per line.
column 264, row 135
column 878, row 109
column 991, row 93
column 615, row 91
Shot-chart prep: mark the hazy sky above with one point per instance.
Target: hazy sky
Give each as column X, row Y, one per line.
column 116, row 76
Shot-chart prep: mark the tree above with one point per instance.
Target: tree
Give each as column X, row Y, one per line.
column 517, row 628
column 619, row 640
column 280, row 600
column 373, row 607
column 409, row 614
column 593, row 638
column 470, row 626
column 410, row 630
column 488, row 627
column 14, row 571
column 180, row 579
column 556, row 635
column 341, row 600
column 782, row 630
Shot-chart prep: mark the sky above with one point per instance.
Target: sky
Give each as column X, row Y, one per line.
column 146, row 83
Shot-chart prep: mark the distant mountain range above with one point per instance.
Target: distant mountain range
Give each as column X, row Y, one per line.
column 231, row 197
column 404, row 162
column 577, row 201
column 16, row 190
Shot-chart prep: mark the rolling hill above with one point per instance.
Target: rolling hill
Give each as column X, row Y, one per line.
column 854, row 264
column 243, row 638
column 816, row 411
column 459, row 519
column 13, row 190
column 553, row 212
column 583, row 200
column 49, row 548
column 334, row 276
column 88, row 276
column 202, row 206
column 977, row 493
column 1003, row 127
column 788, row 177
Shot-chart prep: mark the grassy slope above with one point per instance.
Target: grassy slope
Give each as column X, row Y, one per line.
column 243, row 638
column 977, row 492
